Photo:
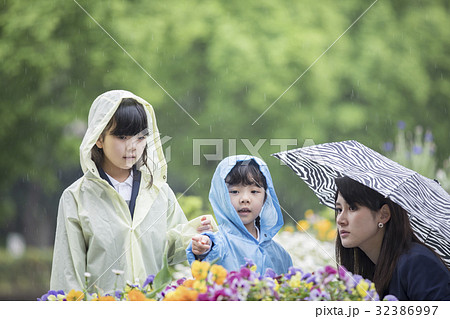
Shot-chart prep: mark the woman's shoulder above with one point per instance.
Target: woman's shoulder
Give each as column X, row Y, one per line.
column 419, row 257
column 418, row 250
column 420, row 275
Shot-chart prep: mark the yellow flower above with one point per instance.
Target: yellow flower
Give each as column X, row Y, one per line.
column 200, row 286
column 289, row 229
column 323, row 225
column 303, row 225
column 309, row 214
column 277, row 285
column 331, row 235
column 136, row 295
column 294, row 282
column 219, row 274
column 75, row 295
column 362, row 288
column 199, row 269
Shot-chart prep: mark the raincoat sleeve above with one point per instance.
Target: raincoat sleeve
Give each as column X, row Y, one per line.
column 217, row 250
column 180, row 231
column 69, row 255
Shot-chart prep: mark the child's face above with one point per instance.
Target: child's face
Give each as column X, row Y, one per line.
column 248, row 201
column 121, row 152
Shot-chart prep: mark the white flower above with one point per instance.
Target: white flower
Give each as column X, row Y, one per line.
column 87, row 274
column 118, row 272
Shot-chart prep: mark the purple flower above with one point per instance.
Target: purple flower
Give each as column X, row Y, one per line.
column 270, row 273
column 417, row 149
column 401, row 125
column 118, row 294
column 292, row 271
column 428, row 137
column 225, row 294
column 388, row 147
column 181, row 281
column 330, row 270
column 315, row 294
column 149, row 280
column 390, row 298
column 248, row 263
column 55, row 293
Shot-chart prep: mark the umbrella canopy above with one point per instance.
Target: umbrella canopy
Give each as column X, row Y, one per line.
column 427, row 203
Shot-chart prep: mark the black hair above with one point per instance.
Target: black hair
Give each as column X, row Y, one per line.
column 397, row 239
column 247, row 173
column 129, row 119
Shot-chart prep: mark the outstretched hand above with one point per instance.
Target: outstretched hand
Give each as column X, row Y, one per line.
column 205, row 225
column 200, row 244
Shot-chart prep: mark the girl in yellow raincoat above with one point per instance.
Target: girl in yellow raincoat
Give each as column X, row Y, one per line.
column 121, row 214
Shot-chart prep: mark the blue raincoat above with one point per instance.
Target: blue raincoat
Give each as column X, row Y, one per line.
column 233, row 243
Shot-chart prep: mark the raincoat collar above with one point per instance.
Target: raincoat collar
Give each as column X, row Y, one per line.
column 135, row 187
column 102, row 110
column 227, row 217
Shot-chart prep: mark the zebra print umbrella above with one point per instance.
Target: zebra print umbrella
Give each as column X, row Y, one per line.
column 427, row 203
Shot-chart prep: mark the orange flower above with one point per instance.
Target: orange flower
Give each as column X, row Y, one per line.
column 189, row 283
column 75, row 295
column 199, row 269
column 104, row 298
column 181, row 294
column 219, row 274
column 136, row 295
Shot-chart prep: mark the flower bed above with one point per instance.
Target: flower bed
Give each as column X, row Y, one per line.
column 214, row 283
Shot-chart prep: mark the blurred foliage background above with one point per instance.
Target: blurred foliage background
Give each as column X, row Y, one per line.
column 226, row 63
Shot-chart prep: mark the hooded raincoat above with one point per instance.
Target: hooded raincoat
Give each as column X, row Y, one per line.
column 233, row 243
column 96, row 232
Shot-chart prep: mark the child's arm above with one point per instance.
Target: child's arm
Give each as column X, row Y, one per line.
column 201, row 244
column 205, row 225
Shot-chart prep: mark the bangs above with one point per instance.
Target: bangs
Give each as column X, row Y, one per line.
column 246, row 173
column 356, row 193
column 130, row 119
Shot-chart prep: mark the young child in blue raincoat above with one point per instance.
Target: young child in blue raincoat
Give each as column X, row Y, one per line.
column 121, row 214
column 249, row 216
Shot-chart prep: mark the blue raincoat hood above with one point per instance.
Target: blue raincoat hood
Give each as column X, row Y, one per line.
column 226, row 215
column 233, row 244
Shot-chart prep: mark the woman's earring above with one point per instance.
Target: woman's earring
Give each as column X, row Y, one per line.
column 380, row 225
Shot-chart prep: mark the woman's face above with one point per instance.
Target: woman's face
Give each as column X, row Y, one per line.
column 358, row 227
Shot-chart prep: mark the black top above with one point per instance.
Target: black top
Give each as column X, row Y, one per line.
column 420, row 275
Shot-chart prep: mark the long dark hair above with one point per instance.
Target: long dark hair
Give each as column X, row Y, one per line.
column 129, row 119
column 397, row 239
column 247, row 173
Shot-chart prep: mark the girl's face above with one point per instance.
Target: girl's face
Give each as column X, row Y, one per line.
column 358, row 227
column 121, row 153
column 248, row 201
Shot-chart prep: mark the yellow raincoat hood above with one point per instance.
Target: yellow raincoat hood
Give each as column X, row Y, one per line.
column 101, row 112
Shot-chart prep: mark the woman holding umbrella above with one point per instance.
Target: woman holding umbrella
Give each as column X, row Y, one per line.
column 375, row 240
column 384, row 212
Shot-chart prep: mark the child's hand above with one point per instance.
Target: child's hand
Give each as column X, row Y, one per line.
column 205, row 225
column 200, row 244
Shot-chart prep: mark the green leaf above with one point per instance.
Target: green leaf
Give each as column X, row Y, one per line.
column 162, row 279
